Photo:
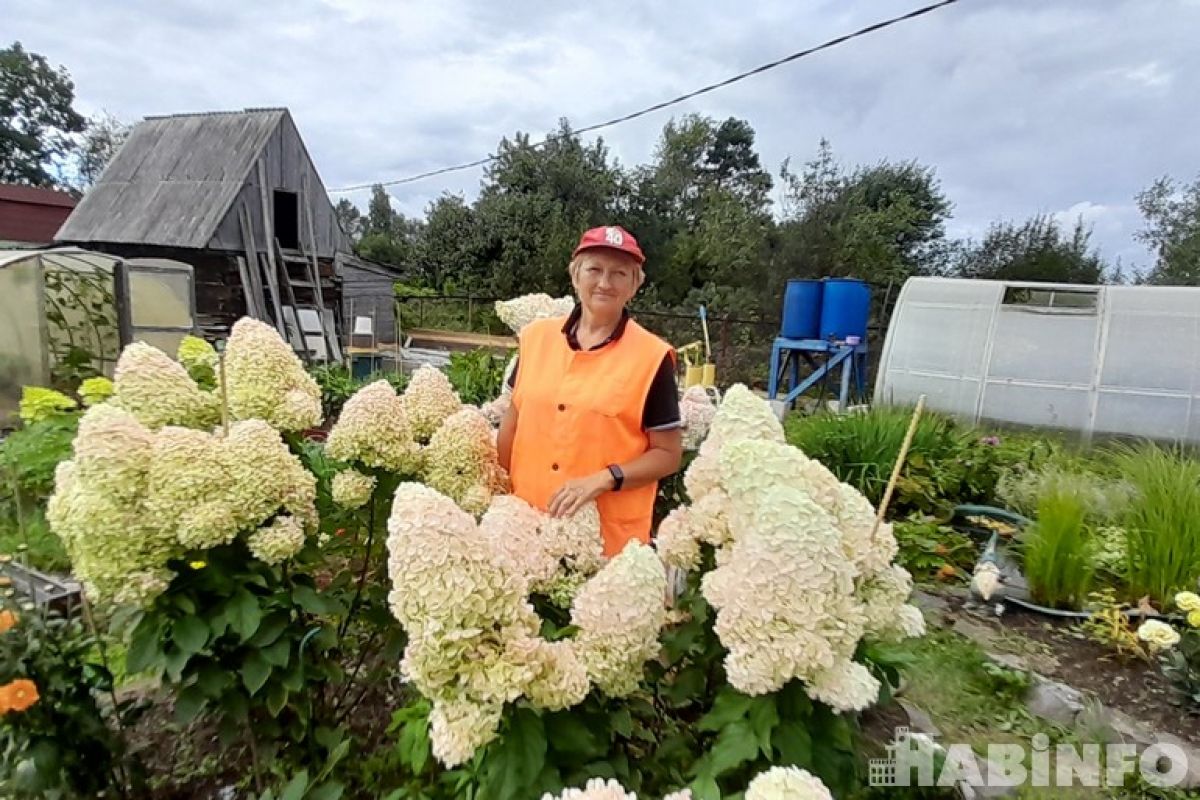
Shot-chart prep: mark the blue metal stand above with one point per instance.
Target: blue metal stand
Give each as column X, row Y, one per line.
column 787, row 353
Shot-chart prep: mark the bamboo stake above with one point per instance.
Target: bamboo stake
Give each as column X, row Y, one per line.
column 900, row 458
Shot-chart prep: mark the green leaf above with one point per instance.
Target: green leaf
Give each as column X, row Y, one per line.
column 213, row 680
column 244, row 614
column 793, row 742
column 190, row 634
column 278, row 653
column 188, row 704
column 763, row 718
column 175, row 662
column 621, row 722
column 327, row 791
column 296, row 788
column 255, row 671
column 735, row 746
column 518, row 759
column 729, row 707
column 568, row 735
column 705, row 788
column 308, row 599
column 413, row 745
column 145, row 647
column 270, row 629
column 277, row 695
column 689, row 684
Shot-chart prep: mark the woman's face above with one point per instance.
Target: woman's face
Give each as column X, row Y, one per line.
column 605, row 280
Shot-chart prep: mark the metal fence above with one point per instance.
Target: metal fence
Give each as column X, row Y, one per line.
column 741, row 346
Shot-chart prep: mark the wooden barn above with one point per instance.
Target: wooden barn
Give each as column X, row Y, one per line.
column 237, row 196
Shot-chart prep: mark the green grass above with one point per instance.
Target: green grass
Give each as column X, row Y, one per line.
column 34, row 543
column 1058, row 551
column 1161, row 521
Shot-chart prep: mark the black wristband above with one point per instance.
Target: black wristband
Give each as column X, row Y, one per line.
column 618, row 477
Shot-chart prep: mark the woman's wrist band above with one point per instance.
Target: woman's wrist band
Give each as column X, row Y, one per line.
column 618, row 476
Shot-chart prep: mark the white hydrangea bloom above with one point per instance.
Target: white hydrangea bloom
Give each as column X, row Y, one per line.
column 696, row 410
column 847, row 686
column 457, row 730
column 619, row 613
column 520, row 311
column 675, row 542
column 787, row 783
column 266, row 380
column 429, row 400
column 373, row 430
column 461, row 461
column 554, row 555
column 594, row 789
column 351, row 488
column 157, row 390
column 277, row 542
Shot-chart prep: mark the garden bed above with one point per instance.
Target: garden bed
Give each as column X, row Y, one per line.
column 1058, row 650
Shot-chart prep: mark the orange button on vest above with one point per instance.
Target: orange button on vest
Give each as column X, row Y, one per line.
column 578, row 412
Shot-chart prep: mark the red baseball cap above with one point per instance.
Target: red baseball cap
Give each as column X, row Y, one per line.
column 614, row 237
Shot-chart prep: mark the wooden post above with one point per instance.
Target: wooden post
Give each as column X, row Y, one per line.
column 224, row 390
column 900, row 457
column 268, row 237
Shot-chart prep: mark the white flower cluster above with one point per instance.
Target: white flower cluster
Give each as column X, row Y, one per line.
column 473, row 637
column 801, row 577
column 351, row 489
column 787, row 783
column 697, row 410
column 520, row 311
column 461, row 461
column 158, row 391
column 373, row 431
column 555, row 556
column 267, row 381
column 429, row 400
column 132, row 499
column 777, row 783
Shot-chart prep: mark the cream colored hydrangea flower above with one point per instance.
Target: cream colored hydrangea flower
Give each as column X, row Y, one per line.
column 461, row 461
column 1158, row 635
column 555, row 556
column 520, row 311
column 787, row 783
column 594, row 789
column 619, row 613
column 352, row 489
column 885, row 602
column 846, row 686
column 277, row 542
column 560, row 679
column 457, row 730
column 373, row 430
column 429, row 400
column 697, row 410
column 1187, row 602
column 676, row 545
column 158, row 391
column 267, row 381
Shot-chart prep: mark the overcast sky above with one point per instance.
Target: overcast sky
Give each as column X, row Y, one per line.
column 1060, row 106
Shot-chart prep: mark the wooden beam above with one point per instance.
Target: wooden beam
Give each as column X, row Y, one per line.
column 329, row 336
column 247, row 287
column 256, row 263
column 268, row 238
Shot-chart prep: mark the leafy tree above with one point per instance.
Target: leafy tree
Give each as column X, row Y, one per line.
column 881, row 222
column 37, row 120
column 1172, row 215
column 1036, row 250
column 386, row 235
column 101, row 140
column 350, row 219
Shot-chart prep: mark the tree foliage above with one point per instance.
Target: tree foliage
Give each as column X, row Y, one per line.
column 37, row 120
column 1172, row 231
column 1036, row 250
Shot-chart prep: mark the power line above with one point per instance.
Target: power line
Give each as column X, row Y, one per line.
column 878, row 26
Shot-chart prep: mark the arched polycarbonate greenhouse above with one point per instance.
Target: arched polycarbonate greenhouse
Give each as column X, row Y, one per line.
column 69, row 309
column 1094, row 360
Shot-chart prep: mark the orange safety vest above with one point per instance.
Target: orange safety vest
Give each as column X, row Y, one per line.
column 578, row 412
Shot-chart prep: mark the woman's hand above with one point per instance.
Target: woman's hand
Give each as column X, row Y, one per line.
column 578, row 492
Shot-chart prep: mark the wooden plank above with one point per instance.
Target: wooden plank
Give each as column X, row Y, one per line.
column 460, row 337
column 330, row 336
column 248, row 238
column 291, row 298
column 268, row 237
column 255, row 272
column 247, row 287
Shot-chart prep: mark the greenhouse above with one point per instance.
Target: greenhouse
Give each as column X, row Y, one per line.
column 68, row 311
column 1097, row 361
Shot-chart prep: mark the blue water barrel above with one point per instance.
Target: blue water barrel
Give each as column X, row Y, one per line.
column 801, row 309
column 845, row 306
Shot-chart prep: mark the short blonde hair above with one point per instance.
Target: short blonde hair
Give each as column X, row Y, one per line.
column 639, row 273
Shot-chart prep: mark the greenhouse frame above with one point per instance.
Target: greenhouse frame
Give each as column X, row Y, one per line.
column 1095, row 361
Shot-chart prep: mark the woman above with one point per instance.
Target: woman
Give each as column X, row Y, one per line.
column 595, row 409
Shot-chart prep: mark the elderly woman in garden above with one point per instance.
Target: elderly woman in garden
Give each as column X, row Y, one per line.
column 595, row 411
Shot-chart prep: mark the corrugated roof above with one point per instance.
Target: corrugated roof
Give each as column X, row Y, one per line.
column 35, row 195
column 173, row 179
